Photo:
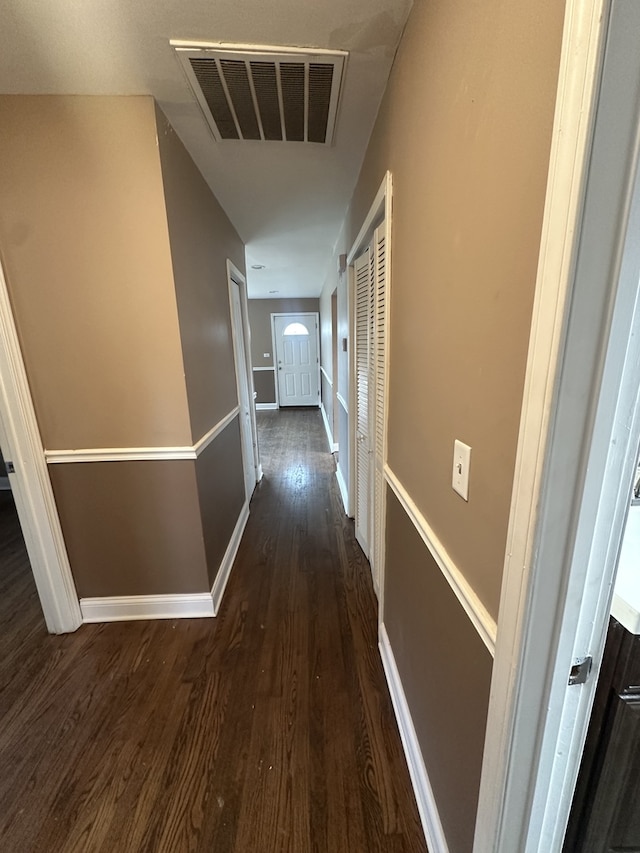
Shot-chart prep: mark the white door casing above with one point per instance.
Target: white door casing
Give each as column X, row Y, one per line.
column 578, row 441
column 245, row 395
column 297, row 349
column 369, row 417
column 380, row 353
column 31, row 486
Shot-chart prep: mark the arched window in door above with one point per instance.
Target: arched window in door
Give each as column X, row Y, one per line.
column 296, row 329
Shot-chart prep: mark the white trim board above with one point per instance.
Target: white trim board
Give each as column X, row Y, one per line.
column 134, row 454
column 332, row 445
column 326, row 376
column 31, row 486
column 215, row 431
column 266, row 407
column 344, row 492
column 125, row 608
column 220, row 582
column 480, row 617
column 578, row 431
column 425, row 799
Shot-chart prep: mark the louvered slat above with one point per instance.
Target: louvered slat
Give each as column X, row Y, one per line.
column 363, row 359
column 380, row 306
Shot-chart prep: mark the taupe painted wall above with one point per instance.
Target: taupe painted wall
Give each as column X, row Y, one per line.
column 132, row 528
column 339, row 371
column 221, row 490
column 260, row 311
column 445, row 670
column 264, row 384
column 465, row 128
column 102, row 223
column 201, row 239
column 83, row 239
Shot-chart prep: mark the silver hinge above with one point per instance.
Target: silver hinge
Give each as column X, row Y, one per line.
column 580, row 670
column 11, row 468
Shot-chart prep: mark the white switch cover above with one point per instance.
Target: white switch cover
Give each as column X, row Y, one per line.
column 266, row 354
column 461, row 465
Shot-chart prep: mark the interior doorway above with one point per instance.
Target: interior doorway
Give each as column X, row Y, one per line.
column 244, row 382
column 20, row 610
column 334, row 367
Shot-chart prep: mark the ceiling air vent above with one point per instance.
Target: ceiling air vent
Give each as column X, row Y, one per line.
column 272, row 94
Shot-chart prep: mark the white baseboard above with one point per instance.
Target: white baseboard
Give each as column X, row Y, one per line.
column 344, row 492
column 266, row 407
column 433, row 831
column 226, row 565
column 332, row 445
column 260, row 473
column 122, row 608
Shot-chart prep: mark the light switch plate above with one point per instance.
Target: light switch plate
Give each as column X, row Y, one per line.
column 266, row 354
column 461, row 465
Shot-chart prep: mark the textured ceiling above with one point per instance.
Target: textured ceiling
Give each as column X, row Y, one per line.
column 287, row 200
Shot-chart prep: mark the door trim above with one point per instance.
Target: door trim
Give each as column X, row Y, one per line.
column 237, row 278
column 33, row 494
column 576, row 437
column 275, row 351
column 381, row 209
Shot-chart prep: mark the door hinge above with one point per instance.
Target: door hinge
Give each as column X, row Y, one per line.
column 11, row 468
column 580, row 670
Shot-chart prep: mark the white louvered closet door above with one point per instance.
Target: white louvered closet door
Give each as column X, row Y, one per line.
column 379, row 362
column 363, row 361
column 371, row 324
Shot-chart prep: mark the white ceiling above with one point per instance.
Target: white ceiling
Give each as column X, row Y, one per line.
column 287, row 200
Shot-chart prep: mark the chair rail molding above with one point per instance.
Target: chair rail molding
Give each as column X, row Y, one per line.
column 133, row 454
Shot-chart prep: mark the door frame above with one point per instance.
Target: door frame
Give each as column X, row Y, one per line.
column 381, row 209
column 578, row 442
column 241, row 335
column 31, row 486
column 274, row 350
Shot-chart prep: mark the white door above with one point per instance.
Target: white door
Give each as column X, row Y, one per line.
column 297, row 352
column 364, row 361
column 379, row 371
column 370, row 361
column 248, row 454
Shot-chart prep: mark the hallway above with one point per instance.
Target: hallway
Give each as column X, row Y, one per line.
column 267, row 729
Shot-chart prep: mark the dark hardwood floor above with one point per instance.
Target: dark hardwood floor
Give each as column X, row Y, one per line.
column 265, row 730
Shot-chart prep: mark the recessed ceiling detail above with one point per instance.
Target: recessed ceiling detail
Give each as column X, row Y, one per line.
column 268, row 94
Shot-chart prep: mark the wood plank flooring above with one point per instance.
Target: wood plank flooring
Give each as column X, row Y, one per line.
column 266, row 730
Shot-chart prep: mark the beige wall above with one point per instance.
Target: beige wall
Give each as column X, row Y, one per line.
column 201, row 239
column 115, row 253
column 260, row 311
column 465, row 128
column 83, row 240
